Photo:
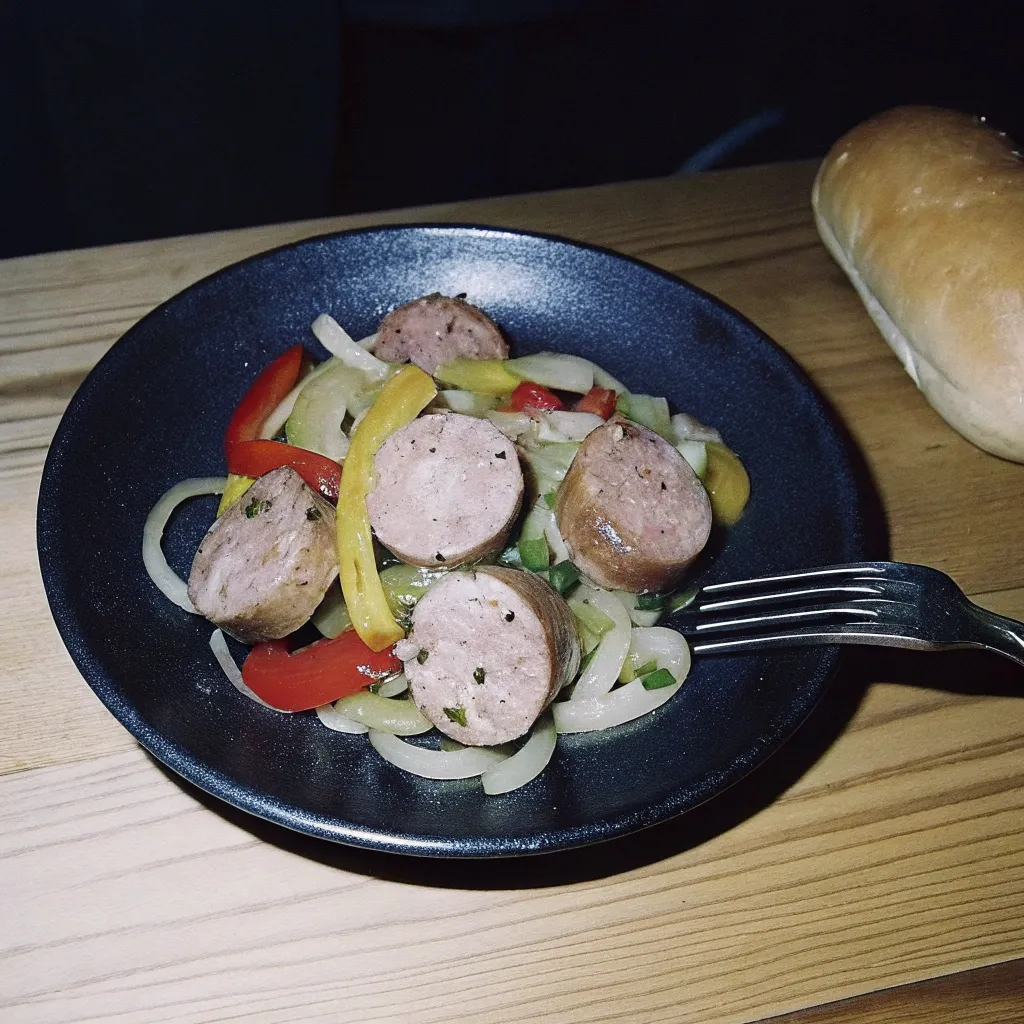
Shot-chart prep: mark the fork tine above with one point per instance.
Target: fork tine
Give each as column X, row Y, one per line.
column 835, row 592
column 889, row 604
column 781, row 620
column 873, row 634
column 867, row 570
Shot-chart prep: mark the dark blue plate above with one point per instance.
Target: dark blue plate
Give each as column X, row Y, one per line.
column 154, row 409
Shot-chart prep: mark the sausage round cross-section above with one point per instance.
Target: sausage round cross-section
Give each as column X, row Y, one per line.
column 448, row 489
column 435, row 329
column 631, row 511
column 489, row 650
column 267, row 562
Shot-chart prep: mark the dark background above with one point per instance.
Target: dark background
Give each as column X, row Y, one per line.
column 128, row 119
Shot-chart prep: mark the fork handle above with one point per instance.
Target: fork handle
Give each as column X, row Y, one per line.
column 998, row 633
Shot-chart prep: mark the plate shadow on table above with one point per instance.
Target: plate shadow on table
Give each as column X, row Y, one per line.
column 970, row 673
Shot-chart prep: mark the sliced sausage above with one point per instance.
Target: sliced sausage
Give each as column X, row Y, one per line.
column 432, row 330
column 448, row 489
column 267, row 562
column 632, row 512
column 489, row 650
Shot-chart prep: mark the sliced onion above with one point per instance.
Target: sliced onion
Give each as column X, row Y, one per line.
column 622, row 705
column 637, row 616
column 398, row 717
column 331, row 616
column 602, row 671
column 549, row 463
column 337, row 721
column 367, row 342
column 554, row 538
column 527, row 763
column 561, row 425
column 219, row 646
column 469, row 403
column 435, row 764
column 541, row 522
column 696, row 454
column 167, row 581
column 603, row 379
column 275, row 421
column 511, row 424
column 665, row 646
column 557, row 370
column 339, row 343
column 394, row 686
column 689, row 428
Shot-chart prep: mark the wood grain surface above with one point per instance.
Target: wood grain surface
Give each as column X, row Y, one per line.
column 884, row 845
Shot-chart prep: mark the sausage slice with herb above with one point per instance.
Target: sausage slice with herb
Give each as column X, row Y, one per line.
column 448, row 489
column 631, row 511
column 267, row 562
column 435, row 329
column 489, row 650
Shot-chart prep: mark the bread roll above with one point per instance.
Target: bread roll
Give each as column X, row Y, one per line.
column 924, row 210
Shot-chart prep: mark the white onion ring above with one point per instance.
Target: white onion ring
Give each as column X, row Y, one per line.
column 167, row 581
column 511, row 424
column 526, row 763
column 339, row 343
column 276, row 420
column 664, row 646
column 602, row 671
column 394, row 686
column 561, row 425
column 219, row 646
column 337, row 721
column 671, row 652
column 636, row 615
column 603, row 379
column 544, row 517
column 383, row 714
column 435, row 764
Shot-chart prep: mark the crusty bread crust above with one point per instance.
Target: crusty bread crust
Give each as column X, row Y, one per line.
column 924, row 210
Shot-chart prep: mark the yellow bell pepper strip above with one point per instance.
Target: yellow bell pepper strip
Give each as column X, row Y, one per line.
column 401, row 400
column 233, row 490
column 727, row 484
column 484, row 376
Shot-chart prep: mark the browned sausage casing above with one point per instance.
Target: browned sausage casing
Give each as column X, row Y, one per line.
column 632, row 512
column 435, row 329
column 495, row 645
column 267, row 562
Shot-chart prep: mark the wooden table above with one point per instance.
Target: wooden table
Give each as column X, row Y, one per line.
column 883, row 847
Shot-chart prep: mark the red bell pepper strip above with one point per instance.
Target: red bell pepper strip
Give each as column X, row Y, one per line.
column 600, row 401
column 254, row 458
column 318, row 674
column 265, row 393
column 531, row 396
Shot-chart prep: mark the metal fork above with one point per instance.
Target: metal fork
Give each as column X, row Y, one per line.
column 889, row 604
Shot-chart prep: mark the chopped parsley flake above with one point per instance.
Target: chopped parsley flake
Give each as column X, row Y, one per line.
column 256, row 506
column 422, row 657
column 479, row 675
column 313, row 513
column 456, row 714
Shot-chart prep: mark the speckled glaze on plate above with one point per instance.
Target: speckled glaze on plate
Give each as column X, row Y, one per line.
column 154, row 409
